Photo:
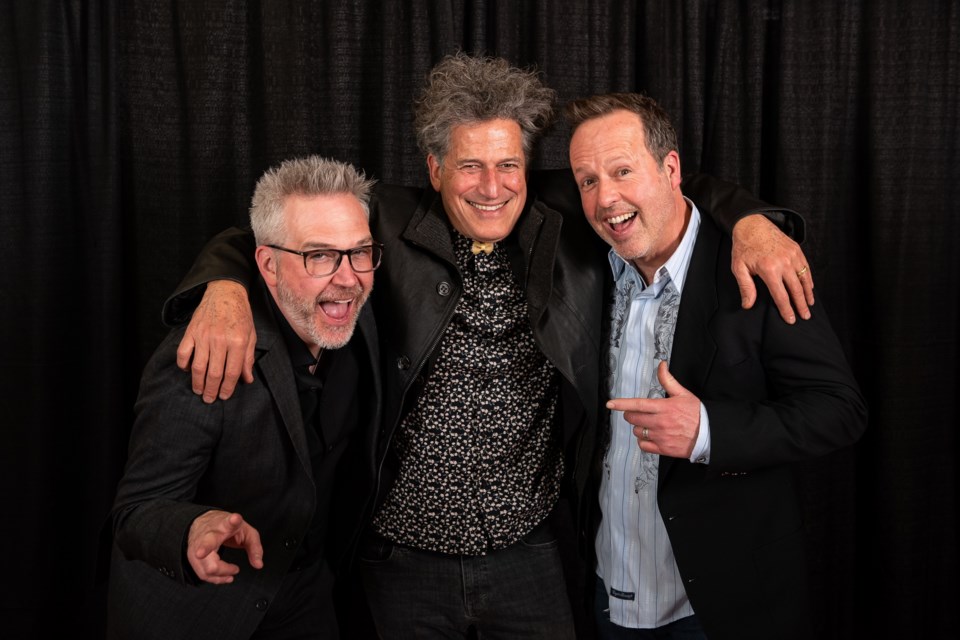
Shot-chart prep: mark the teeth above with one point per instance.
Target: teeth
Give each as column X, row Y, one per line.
column 486, row 207
column 622, row 218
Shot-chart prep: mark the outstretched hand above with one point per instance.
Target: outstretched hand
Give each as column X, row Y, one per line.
column 218, row 346
column 665, row 426
column 213, row 530
column 760, row 248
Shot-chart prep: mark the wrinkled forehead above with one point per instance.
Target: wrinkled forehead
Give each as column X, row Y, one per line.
column 486, row 139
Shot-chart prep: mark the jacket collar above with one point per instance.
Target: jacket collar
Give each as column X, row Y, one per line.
column 429, row 227
column 537, row 236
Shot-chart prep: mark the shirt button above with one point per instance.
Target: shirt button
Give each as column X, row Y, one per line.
column 290, row 543
column 403, row 363
column 443, row 288
column 261, row 604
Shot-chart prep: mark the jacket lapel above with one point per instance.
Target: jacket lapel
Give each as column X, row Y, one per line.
column 694, row 348
column 693, row 345
column 538, row 228
column 276, row 373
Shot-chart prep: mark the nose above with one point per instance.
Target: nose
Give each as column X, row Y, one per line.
column 489, row 185
column 345, row 275
column 607, row 194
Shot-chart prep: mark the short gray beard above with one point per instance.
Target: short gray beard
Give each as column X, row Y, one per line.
column 302, row 314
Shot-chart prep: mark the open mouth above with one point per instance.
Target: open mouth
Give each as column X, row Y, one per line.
column 337, row 310
column 617, row 223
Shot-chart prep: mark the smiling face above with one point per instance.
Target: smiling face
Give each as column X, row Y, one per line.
column 633, row 202
column 322, row 311
column 482, row 180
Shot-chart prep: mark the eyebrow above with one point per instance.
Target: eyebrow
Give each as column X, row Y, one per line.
column 311, row 246
column 463, row 161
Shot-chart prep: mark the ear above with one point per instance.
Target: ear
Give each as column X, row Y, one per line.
column 267, row 262
column 671, row 165
column 435, row 169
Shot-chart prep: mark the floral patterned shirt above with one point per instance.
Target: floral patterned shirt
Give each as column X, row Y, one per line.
column 479, row 463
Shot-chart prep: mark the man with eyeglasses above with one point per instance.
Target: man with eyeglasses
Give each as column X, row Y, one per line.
column 230, row 518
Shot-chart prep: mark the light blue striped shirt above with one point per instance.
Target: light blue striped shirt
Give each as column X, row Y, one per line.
column 634, row 556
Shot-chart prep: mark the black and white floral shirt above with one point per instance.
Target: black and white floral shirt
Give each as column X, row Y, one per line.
column 479, row 464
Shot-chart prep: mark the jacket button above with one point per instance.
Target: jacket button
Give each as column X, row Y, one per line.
column 290, row 543
column 403, row 363
column 261, row 604
column 443, row 288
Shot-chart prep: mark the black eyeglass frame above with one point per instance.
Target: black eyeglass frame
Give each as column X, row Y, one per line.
column 376, row 246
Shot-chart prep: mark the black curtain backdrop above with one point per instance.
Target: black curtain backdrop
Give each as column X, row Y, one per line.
column 131, row 132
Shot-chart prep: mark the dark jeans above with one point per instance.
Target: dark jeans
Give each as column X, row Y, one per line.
column 517, row 592
column 683, row 629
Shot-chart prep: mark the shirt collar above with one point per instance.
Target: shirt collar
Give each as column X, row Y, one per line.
column 675, row 268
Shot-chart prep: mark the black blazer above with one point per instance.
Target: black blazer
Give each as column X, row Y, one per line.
column 775, row 394
column 248, row 454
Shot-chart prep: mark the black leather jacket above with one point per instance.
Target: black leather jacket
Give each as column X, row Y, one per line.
column 558, row 261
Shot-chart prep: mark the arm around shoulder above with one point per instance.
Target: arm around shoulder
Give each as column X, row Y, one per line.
column 218, row 345
column 227, row 256
column 759, row 246
column 728, row 203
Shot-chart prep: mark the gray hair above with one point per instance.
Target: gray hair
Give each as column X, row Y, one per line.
column 464, row 89
column 659, row 134
column 309, row 176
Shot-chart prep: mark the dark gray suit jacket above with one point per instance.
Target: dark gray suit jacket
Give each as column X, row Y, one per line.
column 775, row 394
column 248, row 454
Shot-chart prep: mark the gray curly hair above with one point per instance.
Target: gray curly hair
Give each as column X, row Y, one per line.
column 463, row 89
column 309, row 176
